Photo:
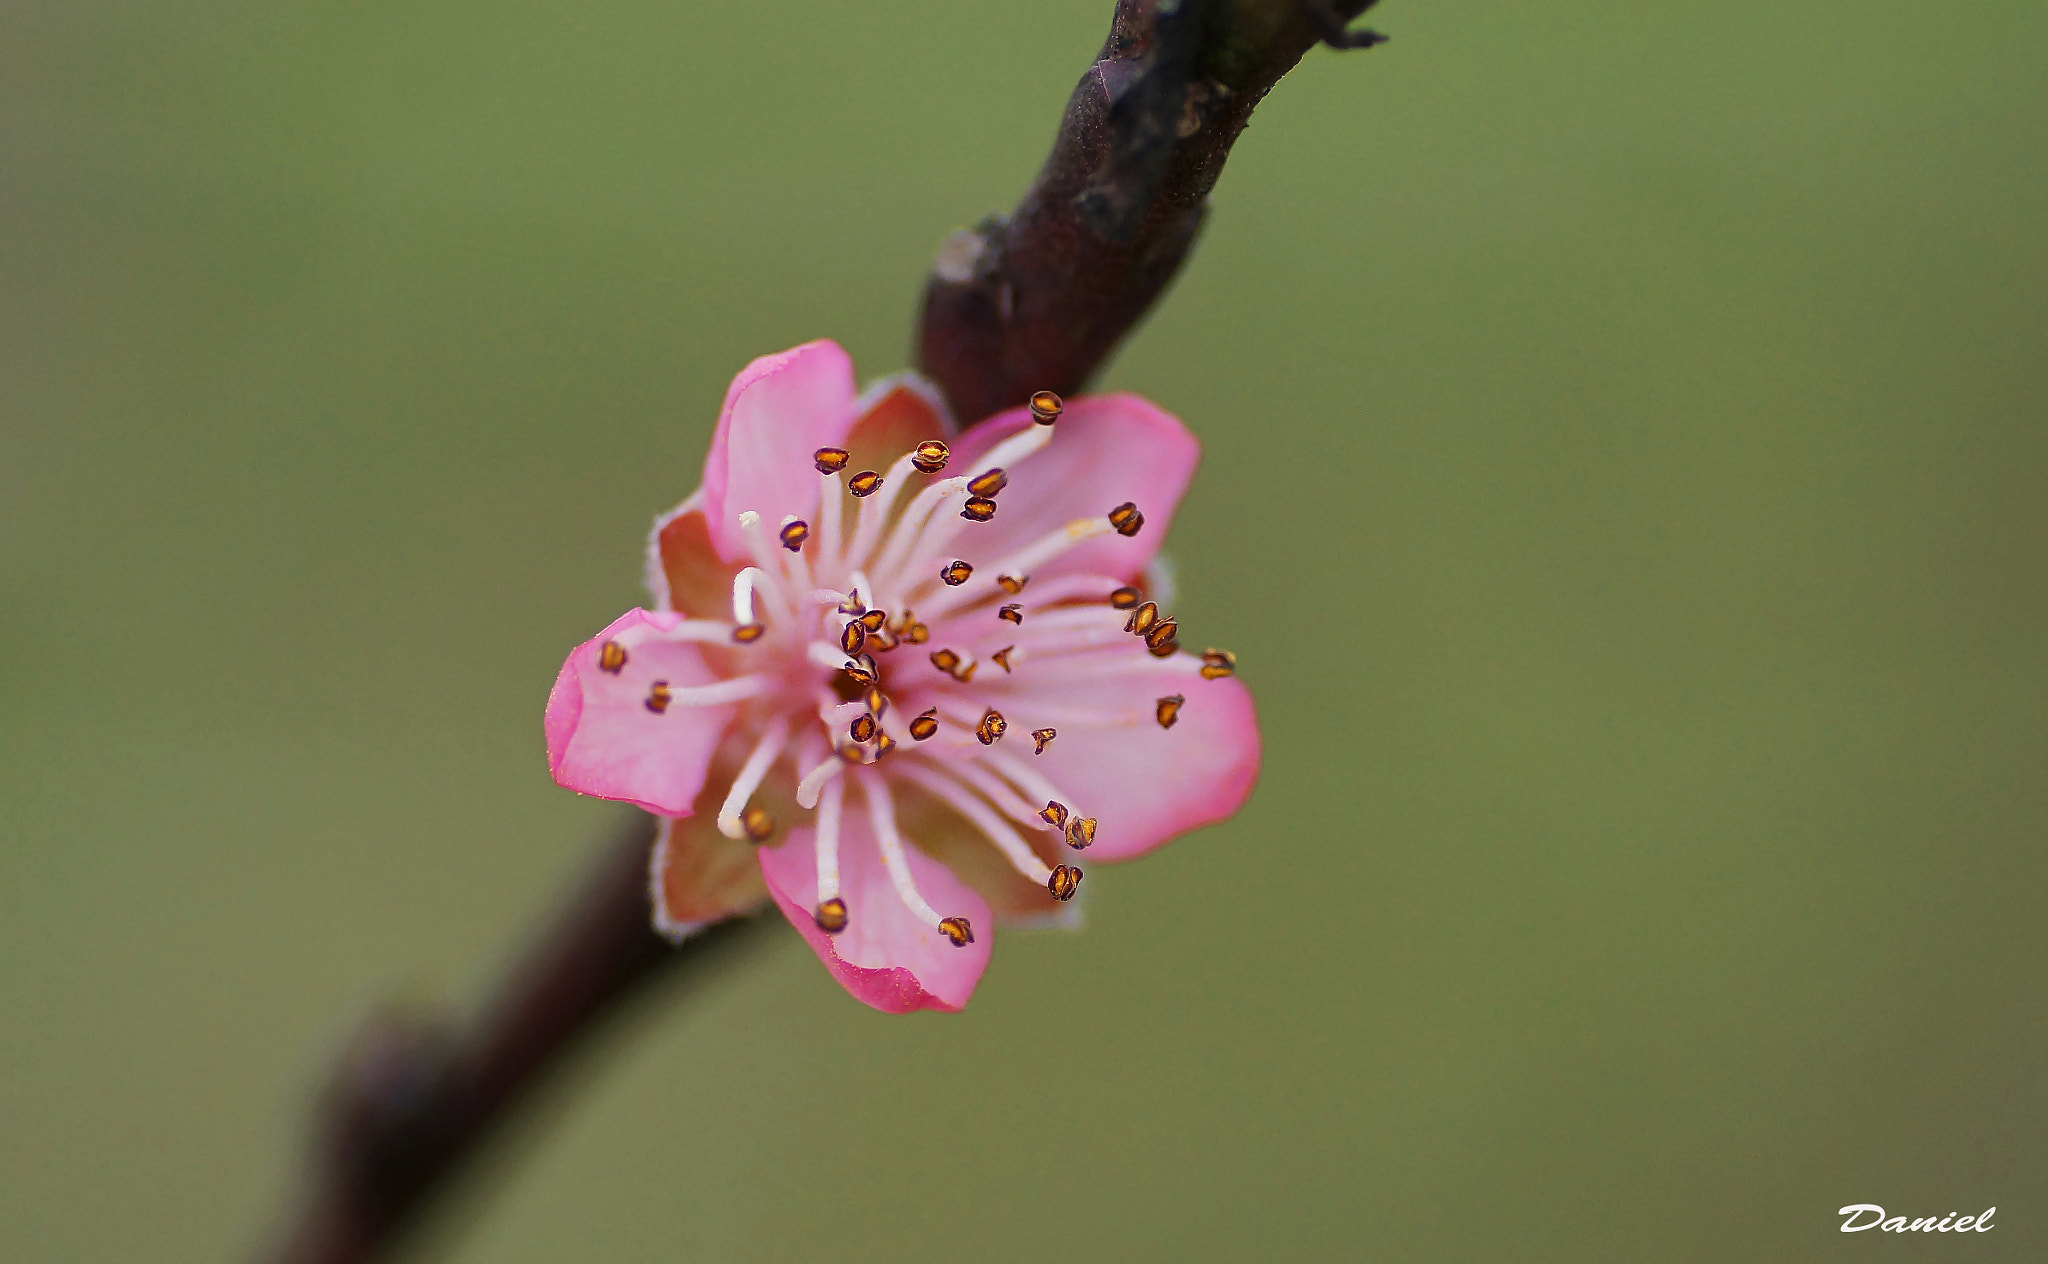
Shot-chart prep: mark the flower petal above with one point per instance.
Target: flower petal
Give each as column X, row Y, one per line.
column 602, row 738
column 778, row 411
column 1106, row 449
column 885, row 956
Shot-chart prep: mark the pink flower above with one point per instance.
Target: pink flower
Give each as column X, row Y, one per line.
column 917, row 656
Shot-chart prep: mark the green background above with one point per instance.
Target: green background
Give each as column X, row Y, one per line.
column 1626, row 489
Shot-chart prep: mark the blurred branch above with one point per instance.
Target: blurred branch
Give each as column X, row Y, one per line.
column 413, row 1098
column 1038, row 299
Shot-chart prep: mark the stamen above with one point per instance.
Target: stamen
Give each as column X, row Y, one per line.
column 925, row 725
column 1012, row 613
column 828, row 851
column 919, row 532
column 862, row 670
column 1142, row 619
column 1041, row 738
column 852, row 637
column 1053, row 543
column 946, row 661
column 956, row 573
column 978, row 813
column 1080, row 832
column 873, row 620
column 929, row 456
column 748, row 633
column 612, row 658
column 1046, row 408
column 1013, row 584
column 1064, row 881
column 877, row 701
column 865, row 483
column 1165, row 649
column 766, row 566
column 992, row 727
column 1001, row 657
column 760, row 825
column 831, row 915
column 883, row 745
column 978, row 509
column 862, row 729
column 830, row 460
column 1124, row 598
column 958, row 930
column 1217, row 663
column 882, row 814
column 1168, row 710
column 1161, row 633
column 988, row 483
column 743, row 602
column 1054, row 813
column 658, row 697
column 794, row 534
column 759, row 760
column 851, row 604
column 913, row 632
column 711, row 695
column 1126, row 519
column 821, row 778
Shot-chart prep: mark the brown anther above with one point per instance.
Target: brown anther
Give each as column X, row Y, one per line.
column 946, row 661
column 873, row 620
column 831, row 916
column 1165, row 649
column 658, row 697
column 1161, row 632
column 1054, row 813
column 830, row 460
column 852, row 604
column 748, row 633
column 1013, row 584
column 924, row 725
column 1125, row 598
column 863, row 670
column 853, row 636
column 965, row 672
column 759, row 825
column 1001, row 657
column 958, row 930
column 1041, row 738
column 862, row 729
column 1126, row 519
column 1142, row 618
column 612, row 657
column 914, row 632
column 1012, row 613
column 1168, row 710
column 992, row 726
column 1217, row 663
column 882, row 641
column 1046, row 408
column 794, row 534
column 955, row 573
column 929, row 456
column 852, row 752
column 883, row 745
column 1080, row 832
column 988, row 483
column 1063, row 883
column 878, row 702
column 864, row 483
column 978, row 509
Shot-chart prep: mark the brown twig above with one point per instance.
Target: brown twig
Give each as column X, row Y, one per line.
column 1038, row 299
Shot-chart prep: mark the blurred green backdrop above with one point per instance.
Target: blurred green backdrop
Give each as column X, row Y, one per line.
column 1627, row 489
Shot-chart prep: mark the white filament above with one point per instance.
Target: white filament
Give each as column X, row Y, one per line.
column 1014, row 848
column 759, row 760
column 711, row 695
column 828, row 839
column 882, row 813
column 816, row 780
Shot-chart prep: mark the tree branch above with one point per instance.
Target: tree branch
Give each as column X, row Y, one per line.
column 1039, row 299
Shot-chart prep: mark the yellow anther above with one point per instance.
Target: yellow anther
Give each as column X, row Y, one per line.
column 830, row 460
column 1013, row 584
column 612, row 657
column 1001, row 657
column 1064, row 882
column 1012, row 613
column 759, row 825
column 1080, row 832
column 658, row 697
column 992, row 726
column 831, row 916
column 1168, row 710
column 1041, row 738
column 748, row 633
column 794, row 534
column 929, row 456
column 864, row 483
column 955, row 573
column 1126, row 519
column 1142, row 619
column 1161, row 632
column 1054, row 813
column 852, row 637
column 1217, row 663
column 978, row 509
column 862, row 729
column 988, row 483
column 1046, row 408
column 1125, row 598
column 958, row 930
column 924, row 725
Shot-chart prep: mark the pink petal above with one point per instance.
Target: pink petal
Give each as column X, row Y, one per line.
column 778, row 411
column 885, row 956
column 602, row 739
column 1106, row 449
column 1143, row 784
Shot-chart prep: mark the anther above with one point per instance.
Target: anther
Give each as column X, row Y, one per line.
column 612, row 657
column 958, row 930
column 988, row 483
column 1126, row 519
column 1080, row 832
column 924, row 725
column 883, row 745
column 1165, row 649
column 1162, row 632
column 862, row 729
column 874, row 619
column 864, row 483
column 946, row 661
column 748, row 633
column 1064, row 882
column 1041, row 738
column 1142, row 618
column 658, row 697
column 1001, row 657
column 830, row 460
column 1217, row 663
column 1168, row 710
column 1046, row 408
column 852, row 752
column 978, row 509
column 794, row 534
column 759, row 824
column 852, row 636
column 1125, row 598
column 1054, row 813
column 852, row 604
column 878, row 702
column 1012, row 613
column 929, row 456
column 831, row 916
column 1013, row 584
column 992, row 726
column 914, row 632
column 862, row 670
column 956, row 573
